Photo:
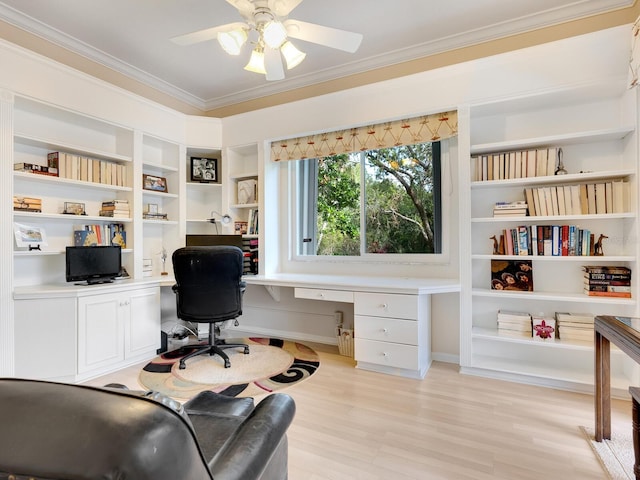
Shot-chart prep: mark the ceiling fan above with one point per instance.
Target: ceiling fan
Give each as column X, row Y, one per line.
column 268, row 29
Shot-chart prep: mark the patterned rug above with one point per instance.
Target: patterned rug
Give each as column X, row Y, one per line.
column 271, row 365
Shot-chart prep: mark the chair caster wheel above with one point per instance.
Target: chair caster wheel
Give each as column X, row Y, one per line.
column 182, row 366
column 227, row 364
column 246, row 350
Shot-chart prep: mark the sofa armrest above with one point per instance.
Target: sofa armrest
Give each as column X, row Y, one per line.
column 246, row 454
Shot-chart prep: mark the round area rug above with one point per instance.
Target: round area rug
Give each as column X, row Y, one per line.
column 271, row 365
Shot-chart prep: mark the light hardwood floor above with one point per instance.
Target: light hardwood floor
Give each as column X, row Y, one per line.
column 354, row 424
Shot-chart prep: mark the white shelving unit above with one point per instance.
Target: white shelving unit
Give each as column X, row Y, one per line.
column 40, row 129
column 205, row 200
column 600, row 143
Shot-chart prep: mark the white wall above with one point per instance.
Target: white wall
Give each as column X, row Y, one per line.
column 591, row 63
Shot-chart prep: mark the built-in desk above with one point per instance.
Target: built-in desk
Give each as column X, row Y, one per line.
column 67, row 332
column 392, row 316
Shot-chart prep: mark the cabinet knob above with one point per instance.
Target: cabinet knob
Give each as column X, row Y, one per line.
column 385, row 330
column 384, row 306
column 385, row 354
column 321, row 295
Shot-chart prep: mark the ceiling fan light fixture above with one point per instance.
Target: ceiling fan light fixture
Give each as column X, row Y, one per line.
column 232, row 41
column 292, row 55
column 274, row 34
column 256, row 62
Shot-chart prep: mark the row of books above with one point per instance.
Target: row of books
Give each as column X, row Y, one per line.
column 607, row 281
column 547, row 240
column 78, row 167
column 35, row 168
column 583, row 199
column 538, row 162
column 575, row 327
column 250, row 249
column 94, row 235
column 116, row 209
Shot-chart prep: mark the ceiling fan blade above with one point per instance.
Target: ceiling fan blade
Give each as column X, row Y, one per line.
column 273, row 64
column 327, row 36
column 206, row 34
column 282, row 8
column 245, row 7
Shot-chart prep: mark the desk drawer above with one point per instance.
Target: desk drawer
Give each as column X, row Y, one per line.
column 323, row 294
column 387, row 329
column 386, row 305
column 388, row 354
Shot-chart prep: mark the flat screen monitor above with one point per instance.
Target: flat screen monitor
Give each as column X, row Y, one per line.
column 208, row 240
column 93, row 264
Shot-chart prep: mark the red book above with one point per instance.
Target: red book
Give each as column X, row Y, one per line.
column 565, row 240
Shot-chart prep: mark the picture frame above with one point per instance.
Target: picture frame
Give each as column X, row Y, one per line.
column 204, row 170
column 512, row 275
column 151, row 208
column 29, row 236
column 74, row 208
column 153, row 183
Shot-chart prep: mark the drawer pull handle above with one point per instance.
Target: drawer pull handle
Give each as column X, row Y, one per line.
column 384, row 306
column 321, row 295
column 385, row 354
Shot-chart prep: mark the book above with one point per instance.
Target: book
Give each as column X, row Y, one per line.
column 601, row 199
column 617, row 188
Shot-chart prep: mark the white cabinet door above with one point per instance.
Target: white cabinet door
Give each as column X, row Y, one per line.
column 100, row 331
column 142, row 335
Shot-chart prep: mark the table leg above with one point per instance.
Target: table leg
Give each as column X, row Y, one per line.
column 635, row 417
column 602, row 388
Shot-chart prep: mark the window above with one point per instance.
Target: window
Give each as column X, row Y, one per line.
column 368, row 203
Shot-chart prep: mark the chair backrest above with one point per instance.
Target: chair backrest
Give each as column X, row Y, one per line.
column 61, row 431
column 209, row 283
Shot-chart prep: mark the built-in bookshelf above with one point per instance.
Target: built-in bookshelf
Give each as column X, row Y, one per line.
column 593, row 145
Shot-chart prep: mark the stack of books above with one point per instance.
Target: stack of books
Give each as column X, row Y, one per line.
column 575, row 327
column 510, row 209
column 115, row 209
column 607, row 281
column 514, row 324
column 27, row 204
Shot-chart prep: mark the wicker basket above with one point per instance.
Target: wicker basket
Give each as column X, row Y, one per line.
column 345, row 341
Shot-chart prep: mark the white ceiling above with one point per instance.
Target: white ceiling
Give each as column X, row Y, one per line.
column 133, row 37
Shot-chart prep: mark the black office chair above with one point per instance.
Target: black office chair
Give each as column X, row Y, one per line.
column 209, row 289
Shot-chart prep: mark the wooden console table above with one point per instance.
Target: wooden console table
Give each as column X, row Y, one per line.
column 624, row 332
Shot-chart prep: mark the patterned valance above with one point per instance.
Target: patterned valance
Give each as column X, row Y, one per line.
column 427, row 128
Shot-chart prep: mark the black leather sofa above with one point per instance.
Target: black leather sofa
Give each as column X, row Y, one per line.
column 58, row 431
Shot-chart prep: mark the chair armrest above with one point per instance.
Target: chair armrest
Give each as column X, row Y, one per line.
column 246, row 454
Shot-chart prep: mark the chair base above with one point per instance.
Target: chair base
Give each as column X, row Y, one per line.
column 215, row 348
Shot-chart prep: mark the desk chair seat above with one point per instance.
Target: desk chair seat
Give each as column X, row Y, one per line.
column 209, row 289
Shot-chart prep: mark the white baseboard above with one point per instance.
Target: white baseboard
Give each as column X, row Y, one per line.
column 272, row 333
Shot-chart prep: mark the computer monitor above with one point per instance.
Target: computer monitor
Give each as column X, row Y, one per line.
column 195, row 240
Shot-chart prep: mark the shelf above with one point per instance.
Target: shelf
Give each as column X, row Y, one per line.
column 558, row 258
column 158, row 166
column 35, row 177
column 245, row 205
column 203, row 185
column 34, row 253
column 159, row 194
column 64, row 217
column 550, row 179
column 69, row 148
column 554, row 140
column 242, row 176
column 149, row 221
column 492, row 334
column 556, row 297
column 553, row 218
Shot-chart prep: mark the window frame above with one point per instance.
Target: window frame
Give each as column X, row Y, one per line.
column 446, row 190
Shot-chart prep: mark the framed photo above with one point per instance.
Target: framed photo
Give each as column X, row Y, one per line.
column 74, row 208
column 512, row 275
column 156, row 184
column 204, row 170
column 151, row 208
column 29, row 236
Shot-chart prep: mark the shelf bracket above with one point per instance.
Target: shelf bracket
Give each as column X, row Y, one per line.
column 273, row 291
